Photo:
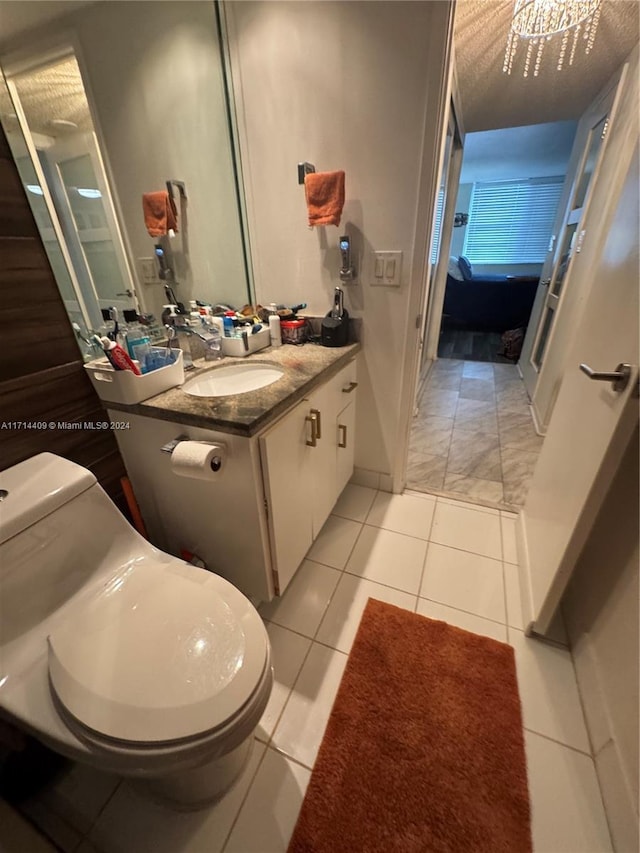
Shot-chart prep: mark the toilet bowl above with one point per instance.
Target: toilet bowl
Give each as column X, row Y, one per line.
column 116, row 654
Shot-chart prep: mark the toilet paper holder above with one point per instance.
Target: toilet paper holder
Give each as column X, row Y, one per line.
column 170, row 446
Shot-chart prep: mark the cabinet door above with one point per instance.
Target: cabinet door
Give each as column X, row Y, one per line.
column 345, row 435
column 322, row 460
column 285, row 458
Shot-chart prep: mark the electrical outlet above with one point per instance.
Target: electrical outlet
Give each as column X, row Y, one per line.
column 149, row 270
column 386, row 268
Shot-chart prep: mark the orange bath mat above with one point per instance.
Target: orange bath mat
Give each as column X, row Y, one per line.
column 424, row 749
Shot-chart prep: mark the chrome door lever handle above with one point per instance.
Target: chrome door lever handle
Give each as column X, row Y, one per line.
column 619, row 378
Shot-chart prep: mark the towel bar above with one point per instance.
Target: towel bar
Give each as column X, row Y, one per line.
column 304, row 169
column 180, row 185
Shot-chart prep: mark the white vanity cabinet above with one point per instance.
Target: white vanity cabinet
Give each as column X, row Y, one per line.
column 307, row 459
column 253, row 522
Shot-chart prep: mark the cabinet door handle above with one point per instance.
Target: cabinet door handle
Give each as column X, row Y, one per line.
column 352, row 387
column 316, row 414
column 314, row 436
column 342, row 441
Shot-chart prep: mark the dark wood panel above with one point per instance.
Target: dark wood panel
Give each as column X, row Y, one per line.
column 58, row 411
column 5, row 151
column 36, row 333
column 16, row 219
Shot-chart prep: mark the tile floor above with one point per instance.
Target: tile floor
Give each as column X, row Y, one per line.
column 442, row 558
column 473, row 437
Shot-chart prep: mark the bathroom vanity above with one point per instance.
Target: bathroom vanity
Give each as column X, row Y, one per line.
column 287, row 455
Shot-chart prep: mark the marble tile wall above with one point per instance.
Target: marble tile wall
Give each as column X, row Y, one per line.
column 473, row 436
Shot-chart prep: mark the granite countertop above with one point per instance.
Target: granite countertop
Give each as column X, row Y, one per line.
column 305, row 367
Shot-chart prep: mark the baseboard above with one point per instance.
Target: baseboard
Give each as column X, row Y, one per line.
column 526, row 596
column 372, row 479
column 617, row 791
column 620, row 805
column 536, row 423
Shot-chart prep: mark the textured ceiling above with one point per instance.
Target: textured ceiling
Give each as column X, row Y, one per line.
column 54, row 94
column 492, row 99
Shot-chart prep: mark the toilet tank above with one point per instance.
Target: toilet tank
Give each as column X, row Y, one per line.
column 60, row 536
column 37, row 487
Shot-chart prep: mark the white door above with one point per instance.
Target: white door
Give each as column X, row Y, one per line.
column 81, row 194
column 440, row 246
column 592, row 422
column 556, row 276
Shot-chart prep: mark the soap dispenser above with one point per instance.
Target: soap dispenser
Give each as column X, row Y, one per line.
column 335, row 326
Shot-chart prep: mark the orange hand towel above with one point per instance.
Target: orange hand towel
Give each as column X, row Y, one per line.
column 325, row 197
column 160, row 214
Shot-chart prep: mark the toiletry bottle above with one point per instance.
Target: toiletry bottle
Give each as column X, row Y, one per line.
column 275, row 333
column 118, row 357
column 228, row 326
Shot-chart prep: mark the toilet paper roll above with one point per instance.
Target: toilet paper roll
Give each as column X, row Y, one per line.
column 198, row 459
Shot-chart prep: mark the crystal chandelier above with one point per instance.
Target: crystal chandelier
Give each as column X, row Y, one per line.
column 537, row 22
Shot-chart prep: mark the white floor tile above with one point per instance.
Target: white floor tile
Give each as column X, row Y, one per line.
column 88, row 847
column 514, row 602
column 466, row 621
column 469, row 529
column 354, row 502
column 270, row 812
column 509, row 546
column 342, row 619
column 566, row 806
column 288, row 652
column 466, row 505
column 78, row 795
column 55, row 828
column 335, row 542
column 549, row 692
column 402, row 514
column 465, row 581
column 304, row 719
column 133, row 822
column 388, row 558
column 305, row 600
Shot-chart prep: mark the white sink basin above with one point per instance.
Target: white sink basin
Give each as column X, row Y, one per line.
column 234, row 379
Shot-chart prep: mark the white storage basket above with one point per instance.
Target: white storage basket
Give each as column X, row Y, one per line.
column 123, row 386
column 235, row 346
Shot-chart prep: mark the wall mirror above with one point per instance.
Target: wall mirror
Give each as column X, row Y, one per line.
column 102, row 104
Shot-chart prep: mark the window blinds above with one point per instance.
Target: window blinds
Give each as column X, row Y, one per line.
column 437, row 227
column 510, row 222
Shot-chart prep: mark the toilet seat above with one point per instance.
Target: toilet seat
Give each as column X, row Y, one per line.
column 162, row 652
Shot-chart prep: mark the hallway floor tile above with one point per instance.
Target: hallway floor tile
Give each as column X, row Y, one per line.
column 473, row 436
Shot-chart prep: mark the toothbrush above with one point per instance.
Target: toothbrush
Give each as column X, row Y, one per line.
column 113, row 314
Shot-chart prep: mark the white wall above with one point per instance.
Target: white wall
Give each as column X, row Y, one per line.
column 601, row 612
column 345, row 86
column 509, row 154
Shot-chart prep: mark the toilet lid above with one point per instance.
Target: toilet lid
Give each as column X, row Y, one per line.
column 161, row 652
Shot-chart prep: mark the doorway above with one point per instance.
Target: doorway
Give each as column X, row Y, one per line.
column 473, row 437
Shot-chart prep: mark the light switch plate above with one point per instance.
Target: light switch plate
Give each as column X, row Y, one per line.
column 386, row 269
column 148, row 270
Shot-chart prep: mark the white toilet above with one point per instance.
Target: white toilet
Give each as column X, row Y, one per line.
column 116, row 654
